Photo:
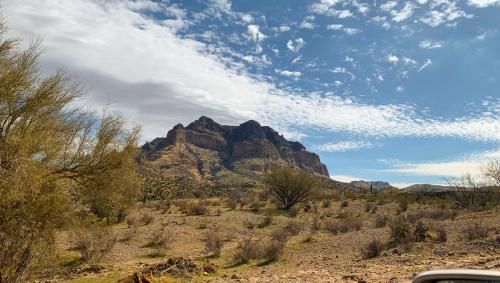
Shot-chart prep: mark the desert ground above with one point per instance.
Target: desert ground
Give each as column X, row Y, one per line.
column 315, row 249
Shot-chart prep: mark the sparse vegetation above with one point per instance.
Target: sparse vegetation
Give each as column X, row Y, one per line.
column 372, row 249
column 475, row 231
column 289, row 186
column 214, row 242
column 162, row 238
column 93, row 244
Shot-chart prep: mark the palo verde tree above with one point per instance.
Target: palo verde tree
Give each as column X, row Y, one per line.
column 55, row 159
column 290, row 186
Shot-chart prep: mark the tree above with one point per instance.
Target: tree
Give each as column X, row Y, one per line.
column 491, row 172
column 290, row 186
column 55, row 159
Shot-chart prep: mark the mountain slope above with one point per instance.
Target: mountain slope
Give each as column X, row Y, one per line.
column 206, row 152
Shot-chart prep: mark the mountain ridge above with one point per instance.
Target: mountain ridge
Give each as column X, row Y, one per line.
column 211, row 153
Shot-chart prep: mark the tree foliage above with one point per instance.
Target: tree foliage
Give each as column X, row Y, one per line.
column 289, row 186
column 55, row 159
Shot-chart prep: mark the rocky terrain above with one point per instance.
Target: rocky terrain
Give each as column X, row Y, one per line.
column 205, row 152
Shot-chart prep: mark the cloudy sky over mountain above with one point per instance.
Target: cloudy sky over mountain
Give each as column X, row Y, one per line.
column 401, row 91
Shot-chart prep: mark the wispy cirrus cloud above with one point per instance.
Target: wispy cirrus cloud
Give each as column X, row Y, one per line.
column 110, row 46
column 343, row 146
column 469, row 164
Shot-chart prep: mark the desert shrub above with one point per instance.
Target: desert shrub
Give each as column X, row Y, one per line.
column 442, row 214
column 344, row 204
column 372, row 249
column 94, row 243
column 315, row 223
column 289, row 186
column 249, row 224
column 184, row 205
column 405, row 231
column 131, row 221
column 343, row 225
column 402, row 205
column 279, row 234
column 327, row 203
column 293, row 212
column 294, row 228
column 255, row 206
column 266, row 221
column 420, row 232
column 198, row 208
column 247, row 249
column 161, row 239
column 308, row 207
column 441, row 235
column 214, row 242
column 232, row 203
column 370, row 207
column 381, row 221
column 163, row 206
column 273, row 250
column 475, row 231
column 263, row 195
column 128, row 234
column 147, row 219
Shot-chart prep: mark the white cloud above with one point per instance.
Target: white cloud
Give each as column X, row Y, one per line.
column 471, row 164
column 343, row 146
column 296, row 44
column 334, row 27
column 284, row 28
column 307, row 24
column 393, row 59
column 146, row 70
column 400, row 89
column 254, row 32
column 403, row 14
column 444, row 12
column 408, row 60
column 426, row 64
column 296, row 59
column 484, row 3
column 345, row 178
column 247, row 18
column 388, row 6
column 294, row 74
column 352, row 31
column 222, row 5
column 427, row 44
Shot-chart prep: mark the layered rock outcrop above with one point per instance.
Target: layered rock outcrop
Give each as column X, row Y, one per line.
column 221, row 150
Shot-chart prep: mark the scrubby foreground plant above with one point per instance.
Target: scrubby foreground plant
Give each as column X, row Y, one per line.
column 55, row 160
column 289, row 186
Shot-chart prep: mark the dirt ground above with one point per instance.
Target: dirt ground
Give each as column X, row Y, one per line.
column 308, row 257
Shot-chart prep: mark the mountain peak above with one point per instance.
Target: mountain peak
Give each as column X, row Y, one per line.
column 247, row 149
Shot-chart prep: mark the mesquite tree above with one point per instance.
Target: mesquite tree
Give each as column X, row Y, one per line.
column 55, row 160
column 290, row 186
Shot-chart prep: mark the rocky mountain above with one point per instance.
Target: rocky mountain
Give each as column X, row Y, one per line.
column 376, row 185
column 207, row 152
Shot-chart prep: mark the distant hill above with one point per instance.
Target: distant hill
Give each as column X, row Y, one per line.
column 207, row 153
column 426, row 188
column 377, row 185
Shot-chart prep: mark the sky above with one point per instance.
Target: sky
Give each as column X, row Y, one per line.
column 400, row 91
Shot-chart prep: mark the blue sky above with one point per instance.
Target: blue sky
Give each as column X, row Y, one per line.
column 400, row 91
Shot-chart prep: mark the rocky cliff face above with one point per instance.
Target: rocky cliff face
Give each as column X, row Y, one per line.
column 206, row 150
